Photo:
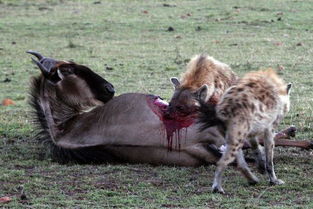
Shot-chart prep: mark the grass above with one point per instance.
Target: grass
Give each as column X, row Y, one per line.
column 128, row 43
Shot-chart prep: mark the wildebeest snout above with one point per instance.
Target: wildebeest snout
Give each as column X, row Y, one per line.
column 110, row 88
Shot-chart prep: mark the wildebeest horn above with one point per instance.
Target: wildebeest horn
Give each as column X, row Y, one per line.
column 44, row 70
column 36, row 54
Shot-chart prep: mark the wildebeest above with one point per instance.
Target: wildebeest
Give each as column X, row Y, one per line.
column 79, row 116
column 80, row 119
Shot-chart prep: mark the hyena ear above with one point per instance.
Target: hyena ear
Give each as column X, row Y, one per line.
column 289, row 85
column 175, row 82
column 202, row 93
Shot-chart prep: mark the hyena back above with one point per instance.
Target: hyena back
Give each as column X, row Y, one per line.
column 249, row 110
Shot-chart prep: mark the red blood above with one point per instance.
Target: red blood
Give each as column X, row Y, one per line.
column 172, row 123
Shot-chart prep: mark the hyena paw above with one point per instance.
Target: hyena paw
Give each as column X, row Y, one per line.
column 261, row 167
column 217, row 189
column 277, row 182
column 254, row 181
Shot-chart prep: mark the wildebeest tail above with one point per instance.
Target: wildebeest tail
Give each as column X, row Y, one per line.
column 208, row 117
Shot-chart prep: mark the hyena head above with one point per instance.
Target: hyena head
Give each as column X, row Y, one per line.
column 285, row 99
column 282, row 89
column 185, row 100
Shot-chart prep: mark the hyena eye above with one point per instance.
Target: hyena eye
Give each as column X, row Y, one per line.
column 179, row 107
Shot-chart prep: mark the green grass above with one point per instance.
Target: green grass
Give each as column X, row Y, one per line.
column 127, row 42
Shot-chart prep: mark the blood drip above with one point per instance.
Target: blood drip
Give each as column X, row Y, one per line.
column 172, row 123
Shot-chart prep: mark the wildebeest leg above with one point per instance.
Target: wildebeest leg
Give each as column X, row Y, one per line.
column 206, row 154
column 305, row 144
column 269, row 154
column 286, row 133
column 282, row 139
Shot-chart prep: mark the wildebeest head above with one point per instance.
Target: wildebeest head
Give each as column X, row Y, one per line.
column 185, row 101
column 73, row 79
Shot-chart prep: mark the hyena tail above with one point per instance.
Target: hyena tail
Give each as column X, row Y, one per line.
column 208, row 117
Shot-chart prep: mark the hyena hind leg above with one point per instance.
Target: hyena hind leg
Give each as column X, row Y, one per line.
column 235, row 139
column 259, row 155
column 244, row 169
column 228, row 156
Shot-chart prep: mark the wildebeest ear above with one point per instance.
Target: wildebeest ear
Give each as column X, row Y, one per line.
column 289, row 85
column 175, row 82
column 202, row 93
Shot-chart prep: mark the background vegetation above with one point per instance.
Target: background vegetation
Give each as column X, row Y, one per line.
column 138, row 46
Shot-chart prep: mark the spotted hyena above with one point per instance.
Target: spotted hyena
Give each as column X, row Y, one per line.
column 250, row 110
column 201, row 70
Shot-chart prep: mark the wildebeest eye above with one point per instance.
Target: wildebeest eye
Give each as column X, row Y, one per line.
column 63, row 72
column 66, row 71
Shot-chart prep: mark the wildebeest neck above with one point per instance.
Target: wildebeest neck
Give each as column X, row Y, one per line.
column 173, row 124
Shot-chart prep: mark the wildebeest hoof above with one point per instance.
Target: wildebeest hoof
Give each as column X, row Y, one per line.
column 291, row 131
column 277, row 182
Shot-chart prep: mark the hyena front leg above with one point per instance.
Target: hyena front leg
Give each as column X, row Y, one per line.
column 269, row 154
